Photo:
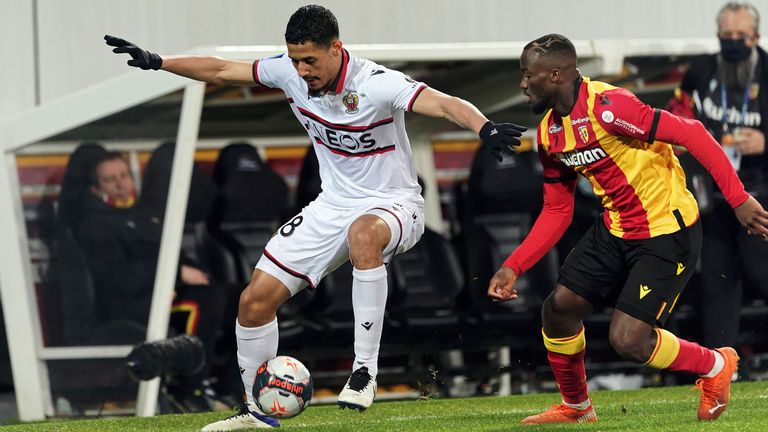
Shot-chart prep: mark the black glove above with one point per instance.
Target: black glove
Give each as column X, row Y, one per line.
column 501, row 137
column 141, row 58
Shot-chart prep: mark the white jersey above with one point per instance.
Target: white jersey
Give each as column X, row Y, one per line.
column 358, row 128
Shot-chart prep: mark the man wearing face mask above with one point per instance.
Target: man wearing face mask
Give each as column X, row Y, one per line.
column 729, row 94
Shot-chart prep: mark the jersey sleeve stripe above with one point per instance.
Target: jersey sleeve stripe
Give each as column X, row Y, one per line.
column 544, row 131
column 345, row 128
column 416, row 95
column 654, row 126
column 570, row 137
column 255, row 72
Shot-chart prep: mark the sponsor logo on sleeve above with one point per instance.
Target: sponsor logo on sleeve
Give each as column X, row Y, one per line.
column 607, row 116
column 629, row 127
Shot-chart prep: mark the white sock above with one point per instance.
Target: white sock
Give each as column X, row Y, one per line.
column 579, row 406
column 255, row 345
column 717, row 367
column 369, row 297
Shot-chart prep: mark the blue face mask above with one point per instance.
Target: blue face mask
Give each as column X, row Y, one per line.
column 734, row 50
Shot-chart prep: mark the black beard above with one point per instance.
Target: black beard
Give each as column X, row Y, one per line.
column 539, row 107
column 736, row 75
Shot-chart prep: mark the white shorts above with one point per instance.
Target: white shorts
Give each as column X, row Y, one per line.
column 314, row 243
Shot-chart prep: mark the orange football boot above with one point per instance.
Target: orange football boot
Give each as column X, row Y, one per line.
column 716, row 391
column 562, row 413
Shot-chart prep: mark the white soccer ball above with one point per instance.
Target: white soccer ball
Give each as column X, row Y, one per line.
column 282, row 387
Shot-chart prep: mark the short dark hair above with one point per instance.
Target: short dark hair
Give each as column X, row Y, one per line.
column 93, row 177
column 552, row 45
column 312, row 23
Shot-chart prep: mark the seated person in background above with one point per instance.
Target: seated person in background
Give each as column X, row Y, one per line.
column 121, row 241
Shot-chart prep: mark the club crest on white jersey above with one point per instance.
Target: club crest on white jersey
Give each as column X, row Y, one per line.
column 357, row 126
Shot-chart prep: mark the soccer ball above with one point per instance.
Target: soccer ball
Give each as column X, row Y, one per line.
column 282, row 387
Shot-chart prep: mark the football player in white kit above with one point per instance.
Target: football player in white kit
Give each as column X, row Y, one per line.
column 370, row 208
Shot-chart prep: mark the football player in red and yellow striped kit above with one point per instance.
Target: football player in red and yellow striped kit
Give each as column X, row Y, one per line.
column 641, row 253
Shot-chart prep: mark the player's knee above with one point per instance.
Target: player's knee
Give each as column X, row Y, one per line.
column 557, row 306
column 365, row 230
column 551, row 312
column 628, row 345
column 258, row 305
column 367, row 237
column 360, row 237
column 547, row 310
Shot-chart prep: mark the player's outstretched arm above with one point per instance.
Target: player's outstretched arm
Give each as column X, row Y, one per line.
column 201, row 68
column 499, row 136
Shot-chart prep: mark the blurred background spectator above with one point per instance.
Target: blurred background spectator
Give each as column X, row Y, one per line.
column 728, row 92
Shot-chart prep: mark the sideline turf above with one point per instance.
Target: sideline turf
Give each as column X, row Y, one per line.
column 651, row 410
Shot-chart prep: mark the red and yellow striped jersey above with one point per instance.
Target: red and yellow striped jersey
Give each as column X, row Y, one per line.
column 609, row 138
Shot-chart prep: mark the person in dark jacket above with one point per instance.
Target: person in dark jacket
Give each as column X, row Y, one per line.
column 120, row 239
column 728, row 92
column 120, row 242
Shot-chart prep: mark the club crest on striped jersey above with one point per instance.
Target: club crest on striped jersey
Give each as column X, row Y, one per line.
column 584, row 134
column 351, row 100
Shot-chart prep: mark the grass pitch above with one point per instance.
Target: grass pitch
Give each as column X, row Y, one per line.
column 651, row 410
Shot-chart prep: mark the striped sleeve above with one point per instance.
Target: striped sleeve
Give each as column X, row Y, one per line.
column 554, row 219
column 273, row 71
